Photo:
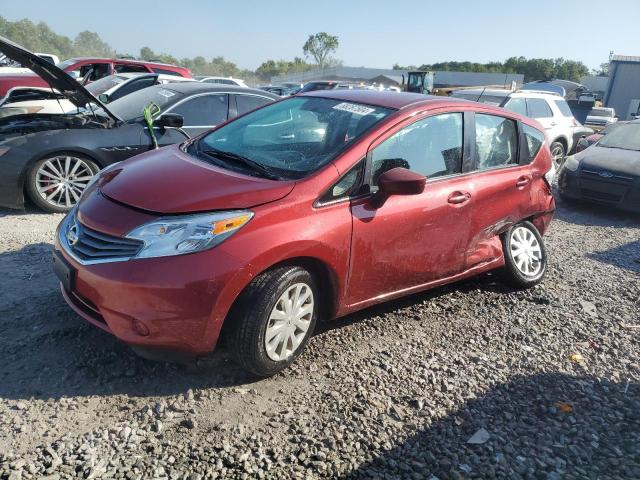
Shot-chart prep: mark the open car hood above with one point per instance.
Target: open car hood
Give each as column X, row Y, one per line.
column 55, row 77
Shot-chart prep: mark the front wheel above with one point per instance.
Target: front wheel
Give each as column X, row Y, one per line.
column 274, row 319
column 56, row 183
column 525, row 255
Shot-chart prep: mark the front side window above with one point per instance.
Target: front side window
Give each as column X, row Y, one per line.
column 538, row 108
column 431, row 146
column 246, row 103
column 203, row 111
column 290, row 138
column 535, row 139
column 496, row 142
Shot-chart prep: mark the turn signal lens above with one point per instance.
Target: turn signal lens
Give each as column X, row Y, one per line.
column 229, row 224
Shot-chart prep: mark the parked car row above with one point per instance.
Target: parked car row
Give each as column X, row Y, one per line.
column 53, row 171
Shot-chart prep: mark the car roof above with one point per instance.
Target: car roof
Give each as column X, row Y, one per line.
column 188, row 88
column 536, row 94
column 385, row 98
column 125, row 60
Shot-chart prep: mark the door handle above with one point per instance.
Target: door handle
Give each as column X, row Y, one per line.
column 523, row 182
column 553, row 124
column 286, row 136
column 458, row 198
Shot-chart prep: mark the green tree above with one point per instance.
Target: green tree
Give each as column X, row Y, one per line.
column 320, row 46
column 89, row 44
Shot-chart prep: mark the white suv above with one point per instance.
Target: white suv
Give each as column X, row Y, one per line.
column 553, row 113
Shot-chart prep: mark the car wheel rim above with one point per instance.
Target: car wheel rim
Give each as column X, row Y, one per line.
column 526, row 251
column 558, row 156
column 60, row 181
column 289, row 322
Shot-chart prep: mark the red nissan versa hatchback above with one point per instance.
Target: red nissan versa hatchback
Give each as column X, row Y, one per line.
column 309, row 208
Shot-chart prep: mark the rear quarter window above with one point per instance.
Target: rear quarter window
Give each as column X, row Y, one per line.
column 535, row 139
column 564, row 108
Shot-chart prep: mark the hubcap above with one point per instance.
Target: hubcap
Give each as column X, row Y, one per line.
column 557, row 154
column 526, row 251
column 61, row 180
column 289, row 322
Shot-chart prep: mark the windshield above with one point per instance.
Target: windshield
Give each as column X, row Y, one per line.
column 131, row 106
column 626, row 137
column 100, row 86
column 600, row 113
column 291, row 138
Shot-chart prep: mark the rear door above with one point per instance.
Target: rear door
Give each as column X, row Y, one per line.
column 501, row 179
column 412, row 240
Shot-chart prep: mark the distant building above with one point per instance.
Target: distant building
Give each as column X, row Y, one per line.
column 596, row 84
column 623, row 88
column 389, row 77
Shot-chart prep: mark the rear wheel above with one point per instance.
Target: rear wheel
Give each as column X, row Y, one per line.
column 524, row 254
column 56, row 183
column 275, row 317
column 557, row 154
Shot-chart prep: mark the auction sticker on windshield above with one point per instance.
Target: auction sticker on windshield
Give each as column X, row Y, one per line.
column 354, row 108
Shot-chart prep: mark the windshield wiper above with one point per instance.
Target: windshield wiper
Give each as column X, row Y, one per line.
column 244, row 161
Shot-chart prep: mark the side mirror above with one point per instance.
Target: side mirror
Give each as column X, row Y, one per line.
column 75, row 74
column 103, row 97
column 399, row 181
column 169, row 120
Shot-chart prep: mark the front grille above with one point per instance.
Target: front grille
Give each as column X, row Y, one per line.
column 92, row 245
column 614, row 176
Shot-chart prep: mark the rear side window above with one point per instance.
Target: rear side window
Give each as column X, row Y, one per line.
column 538, row 108
column 132, row 86
column 127, row 68
column 431, row 146
column 246, row 103
column 496, row 142
column 535, row 139
column 564, row 108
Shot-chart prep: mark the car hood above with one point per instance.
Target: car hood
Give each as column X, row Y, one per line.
column 54, row 76
column 171, row 181
column 611, row 159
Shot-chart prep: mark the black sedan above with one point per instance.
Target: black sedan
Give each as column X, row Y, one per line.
column 608, row 172
column 53, row 157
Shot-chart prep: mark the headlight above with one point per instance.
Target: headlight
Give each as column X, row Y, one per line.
column 9, row 111
column 571, row 163
column 187, row 234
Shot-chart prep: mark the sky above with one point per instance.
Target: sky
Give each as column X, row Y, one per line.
column 373, row 33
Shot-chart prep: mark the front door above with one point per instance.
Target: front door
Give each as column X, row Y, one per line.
column 412, row 240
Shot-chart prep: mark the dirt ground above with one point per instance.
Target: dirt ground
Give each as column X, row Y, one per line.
column 550, row 374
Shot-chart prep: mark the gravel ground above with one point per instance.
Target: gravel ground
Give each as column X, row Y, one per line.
column 468, row 381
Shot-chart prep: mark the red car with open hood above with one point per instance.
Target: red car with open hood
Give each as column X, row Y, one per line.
column 306, row 209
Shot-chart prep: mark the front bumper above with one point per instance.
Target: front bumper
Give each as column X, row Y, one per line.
column 620, row 191
column 176, row 304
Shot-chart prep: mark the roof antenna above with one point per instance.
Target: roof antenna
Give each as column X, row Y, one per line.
column 481, row 93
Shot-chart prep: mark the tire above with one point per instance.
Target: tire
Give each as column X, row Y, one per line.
column 254, row 322
column 558, row 152
column 523, row 270
column 56, row 182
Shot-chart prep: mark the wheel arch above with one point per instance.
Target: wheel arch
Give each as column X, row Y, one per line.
column 323, row 274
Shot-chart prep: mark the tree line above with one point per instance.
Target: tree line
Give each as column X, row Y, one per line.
column 317, row 51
